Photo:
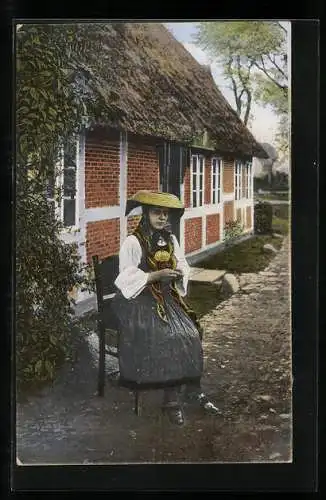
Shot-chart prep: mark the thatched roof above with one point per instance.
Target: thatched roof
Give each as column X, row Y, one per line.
column 151, row 85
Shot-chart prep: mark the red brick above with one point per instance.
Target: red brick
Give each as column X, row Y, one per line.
column 132, row 223
column 212, row 228
column 101, row 171
column 193, row 234
column 102, row 238
column 228, row 211
column 143, row 168
column 228, row 176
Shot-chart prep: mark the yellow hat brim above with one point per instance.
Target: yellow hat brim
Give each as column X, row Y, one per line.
column 158, row 199
column 153, row 198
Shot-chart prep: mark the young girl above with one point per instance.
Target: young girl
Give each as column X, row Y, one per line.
column 159, row 337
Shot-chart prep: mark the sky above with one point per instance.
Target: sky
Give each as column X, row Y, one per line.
column 264, row 124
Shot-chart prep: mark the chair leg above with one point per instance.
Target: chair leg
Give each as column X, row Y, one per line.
column 138, row 401
column 101, row 368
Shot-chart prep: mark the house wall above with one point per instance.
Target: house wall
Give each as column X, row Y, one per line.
column 228, row 176
column 193, row 234
column 113, row 166
column 210, row 232
column 143, row 167
column 115, row 169
column 212, row 228
column 102, row 166
column 103, row 238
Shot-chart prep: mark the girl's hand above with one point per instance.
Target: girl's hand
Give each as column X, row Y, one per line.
column 169, row 275
column 164, row 275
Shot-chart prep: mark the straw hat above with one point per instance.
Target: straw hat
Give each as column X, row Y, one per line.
column 154, row 198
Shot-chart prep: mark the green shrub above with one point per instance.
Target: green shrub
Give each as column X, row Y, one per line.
column 263, row 218
column 49, row 110
column 281, row 211
column 232, row 231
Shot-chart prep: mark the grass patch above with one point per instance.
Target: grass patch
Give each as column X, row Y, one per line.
column 273, row 196
column 246, row 257
column 280, row 226
column 203, row 297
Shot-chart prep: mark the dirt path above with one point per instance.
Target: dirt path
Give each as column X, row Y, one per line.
column 247, row 348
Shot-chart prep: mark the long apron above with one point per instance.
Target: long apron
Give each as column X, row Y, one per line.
column 154, row 353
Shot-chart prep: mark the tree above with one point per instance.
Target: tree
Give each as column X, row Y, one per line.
column 253, row 55
column 51, row 106
column 267, row 164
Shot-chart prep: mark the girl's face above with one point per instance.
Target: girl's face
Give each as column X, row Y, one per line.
column 158, row 217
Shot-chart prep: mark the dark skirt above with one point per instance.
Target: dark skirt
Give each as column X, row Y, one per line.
column 154, row 353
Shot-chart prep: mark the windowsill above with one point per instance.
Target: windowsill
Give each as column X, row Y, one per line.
column 70, row 230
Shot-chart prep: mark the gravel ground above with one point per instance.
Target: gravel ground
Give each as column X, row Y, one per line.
column 247, row 345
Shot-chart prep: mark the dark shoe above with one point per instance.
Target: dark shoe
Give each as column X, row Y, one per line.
column 204, row 402
column 174, row 414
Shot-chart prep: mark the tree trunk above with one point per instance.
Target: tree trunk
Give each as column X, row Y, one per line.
column 248, row 107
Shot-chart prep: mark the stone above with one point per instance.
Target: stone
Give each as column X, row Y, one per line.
column 285, row 416
column 273, row 456
column 230, row 284
column 250, row 288
column 263, row 397
column 270, row 248
column 206, row 275
column 277, row 235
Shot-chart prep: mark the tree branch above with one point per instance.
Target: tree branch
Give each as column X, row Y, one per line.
column 282, row 27
column 263, row 69
column 277, row 66
column 248, row 107
column 246, row 89
column 234, row 87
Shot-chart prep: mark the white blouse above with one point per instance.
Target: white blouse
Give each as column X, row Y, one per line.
column 132, row 280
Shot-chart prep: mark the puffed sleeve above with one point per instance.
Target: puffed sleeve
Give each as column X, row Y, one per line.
column 131, row 280
column 183, row 265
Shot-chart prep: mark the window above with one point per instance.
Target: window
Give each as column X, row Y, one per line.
column 216, row 180
column 64, row 182
column 197, row 176
column 248, row 174
column 238, row 180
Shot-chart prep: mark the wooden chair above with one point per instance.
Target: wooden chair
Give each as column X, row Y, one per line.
column 105, row 272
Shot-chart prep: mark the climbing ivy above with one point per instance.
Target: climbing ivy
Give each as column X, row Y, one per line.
column 51, row 106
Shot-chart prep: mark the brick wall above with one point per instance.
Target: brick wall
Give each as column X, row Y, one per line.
column 228, row 211
column 102, row 166
column 248, row 217
column 143, row 167
column 102, row 238
column 132, row 223
column 193, row 234
column 228, row 176
column 212, row 228
column 187, row 188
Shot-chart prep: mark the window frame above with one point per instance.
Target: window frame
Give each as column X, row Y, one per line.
column 59, row 204
column 249, row 179
column 238, row 180
column 197, row 173
column 218, row 185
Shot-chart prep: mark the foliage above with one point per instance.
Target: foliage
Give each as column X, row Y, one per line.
column 51, row 106
column 232, row 231
column 254, row 60
column 263, row 218
column 278, row 181
column 245, row 257
column 280, row 225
